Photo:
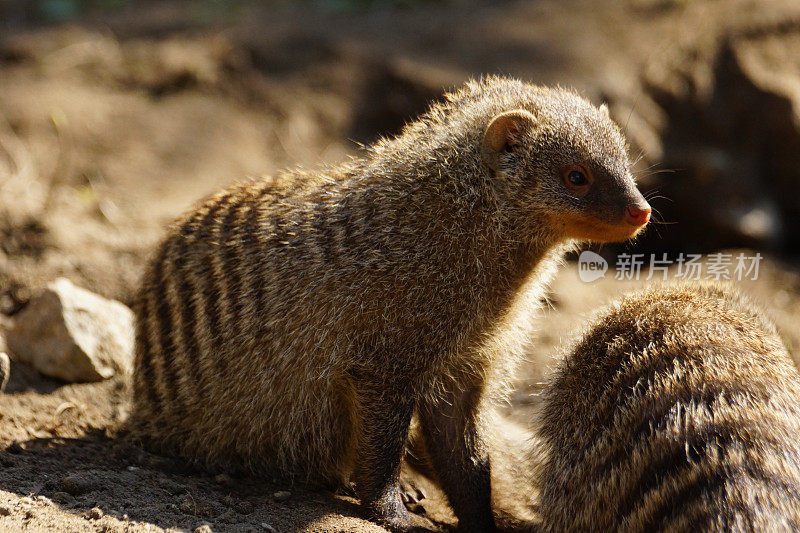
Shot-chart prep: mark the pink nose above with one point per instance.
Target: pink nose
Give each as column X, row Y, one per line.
column 636, row 215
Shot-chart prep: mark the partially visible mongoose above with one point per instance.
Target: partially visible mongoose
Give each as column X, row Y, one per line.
column 678, row 411
column 294, row 326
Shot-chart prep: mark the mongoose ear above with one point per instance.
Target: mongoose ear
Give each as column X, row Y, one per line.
column 503, row 132
column 604, row 111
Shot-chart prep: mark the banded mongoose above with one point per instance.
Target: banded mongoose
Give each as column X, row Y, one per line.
column 678, row 411
column 294, row 325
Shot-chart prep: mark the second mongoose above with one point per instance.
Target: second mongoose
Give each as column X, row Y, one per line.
column 296, row 325
column 678, row 411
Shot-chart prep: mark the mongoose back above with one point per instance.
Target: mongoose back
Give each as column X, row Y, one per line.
column 678, row 411
column 295, row 325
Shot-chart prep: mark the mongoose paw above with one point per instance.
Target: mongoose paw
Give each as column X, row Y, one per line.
column 411, row 495
column 398, row 520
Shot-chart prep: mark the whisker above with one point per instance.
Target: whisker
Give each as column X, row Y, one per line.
column 646, row 173
column 633, row 108
column 659, row 197
column 639, row 158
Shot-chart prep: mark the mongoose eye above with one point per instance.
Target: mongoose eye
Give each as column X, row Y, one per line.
column 577, row 178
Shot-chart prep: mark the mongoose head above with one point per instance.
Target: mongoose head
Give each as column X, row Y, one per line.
column 565, row 159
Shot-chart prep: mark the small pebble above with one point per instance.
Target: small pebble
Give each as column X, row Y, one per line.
column 95, row 513
column 77, row 484
column 63, row 497
column 29, row 514
column 267, row 527
column 4, row 511
column 281, row 495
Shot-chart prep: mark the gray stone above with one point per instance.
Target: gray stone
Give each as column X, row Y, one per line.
column 281, row 495
column 72, row 334
column 79, row 483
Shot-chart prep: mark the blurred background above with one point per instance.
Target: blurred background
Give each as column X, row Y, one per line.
column 118, row 115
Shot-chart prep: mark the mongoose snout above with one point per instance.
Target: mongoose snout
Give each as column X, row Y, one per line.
column 295, row 325
column 637, row 215
column 679, row 410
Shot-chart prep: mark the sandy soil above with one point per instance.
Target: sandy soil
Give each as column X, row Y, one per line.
column 111, row 127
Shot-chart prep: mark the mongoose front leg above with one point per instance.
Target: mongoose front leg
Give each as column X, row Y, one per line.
column 453, row 435
column 385, row 416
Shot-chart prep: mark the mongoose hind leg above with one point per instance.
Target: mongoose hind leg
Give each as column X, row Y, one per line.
column 460, row 456
column 385, row 419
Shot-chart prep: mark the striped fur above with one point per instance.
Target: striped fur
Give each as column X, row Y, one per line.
column 678, row 411
column 292, row 326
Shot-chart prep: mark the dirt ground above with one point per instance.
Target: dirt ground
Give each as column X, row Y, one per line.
column 113, row 124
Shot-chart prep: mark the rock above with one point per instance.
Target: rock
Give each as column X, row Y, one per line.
column 203, row 528
column 4, row 511
column 72, row 334
column 269, row 528
column 5, row 370
column 95, row 513
column 63, row 497
column 281, row 495
column 78, row 483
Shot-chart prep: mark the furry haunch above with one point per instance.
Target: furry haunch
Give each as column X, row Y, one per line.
column 679, row 410
column 295, row 325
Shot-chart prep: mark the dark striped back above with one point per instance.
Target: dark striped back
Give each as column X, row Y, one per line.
column 678, row 411
column 190, row 304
